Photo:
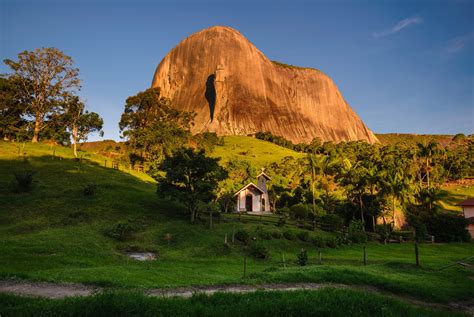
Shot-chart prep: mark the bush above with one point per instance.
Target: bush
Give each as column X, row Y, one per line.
column 284, row 211
column 318, row 241
column 281, row 222
column 302, row 257
column 259, row 251
column 242, row 235
column 447, row 227
column 23, row 181
column 303, row 236
column 264, row 233
column 384, row 231
column 289, row 235
column 332, row 222
column 299, row 211
column 122, row 231
column 356, row 232
column 276, row 234
column 332, row 242
column 89, row 189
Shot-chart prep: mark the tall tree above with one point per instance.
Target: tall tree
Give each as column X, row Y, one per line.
column 12, row 108
column 79, row 121
column 45, row 74
column 191, row 178
column 152, row 127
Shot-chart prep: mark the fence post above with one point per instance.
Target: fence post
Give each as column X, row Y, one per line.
column 105, row 163
column 320, row 257
column 365, row 255
column 225, row 239
column 283, row 256
column 417, row 254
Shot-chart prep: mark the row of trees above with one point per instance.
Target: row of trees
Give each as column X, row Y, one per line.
column 38, row 99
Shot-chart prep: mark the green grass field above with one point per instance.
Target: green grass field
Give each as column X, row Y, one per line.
column 325, row 302
column 54, row 233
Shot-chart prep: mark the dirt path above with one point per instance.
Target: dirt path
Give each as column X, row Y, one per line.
column 58, row 291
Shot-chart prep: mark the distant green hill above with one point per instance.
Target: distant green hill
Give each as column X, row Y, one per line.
column 412, row 139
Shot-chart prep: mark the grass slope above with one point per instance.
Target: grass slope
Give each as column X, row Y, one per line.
column 260, row 153
column 55, row 233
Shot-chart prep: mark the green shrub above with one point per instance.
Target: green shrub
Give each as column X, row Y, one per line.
column 302, row 257
column 356, row 232
column 303, row 236
column 447, row 227
column 289, row 235
column 276, row 234
column 281, row 222
column 259, row 251
column 318, row 241
column 89, row 189
column 242, row 235
column 264, row 233
column 23, row 181
column 299, row 211
column 332, row 242
column 284, row 211
column 331, row 222
column 122, row 231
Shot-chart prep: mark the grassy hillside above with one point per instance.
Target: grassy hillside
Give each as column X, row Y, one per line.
column 413, row 139
column 56, row 233
column 260, row 153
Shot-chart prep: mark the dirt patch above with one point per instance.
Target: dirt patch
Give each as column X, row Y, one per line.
column 49, row 290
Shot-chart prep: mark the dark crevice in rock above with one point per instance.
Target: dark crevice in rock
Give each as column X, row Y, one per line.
column 211, row 94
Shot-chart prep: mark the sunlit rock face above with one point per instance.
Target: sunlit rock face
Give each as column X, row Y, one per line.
column 236, row 90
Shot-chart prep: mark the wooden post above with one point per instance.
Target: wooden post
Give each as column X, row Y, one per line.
column 283, row 256
column 105, row 163
column 320, row 257
column 365, row 255
column 245, row 265
column 225, row 239
column 417, row 254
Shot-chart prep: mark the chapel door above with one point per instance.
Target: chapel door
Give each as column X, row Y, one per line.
column 248, row 202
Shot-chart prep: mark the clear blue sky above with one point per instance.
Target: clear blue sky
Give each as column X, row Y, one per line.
column 403, row 66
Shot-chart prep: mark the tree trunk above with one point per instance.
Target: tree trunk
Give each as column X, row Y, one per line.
column 37, row 129
column 74, row 139
column 393, row 207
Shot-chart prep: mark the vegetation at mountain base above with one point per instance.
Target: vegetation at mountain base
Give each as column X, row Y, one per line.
column 324, row 302
column 56, row 233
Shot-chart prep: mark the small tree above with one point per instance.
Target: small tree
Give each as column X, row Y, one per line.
column 44, row 75
column 80, row 122
column 191, row 178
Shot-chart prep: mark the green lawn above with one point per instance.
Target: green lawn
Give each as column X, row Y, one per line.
column 55, row 233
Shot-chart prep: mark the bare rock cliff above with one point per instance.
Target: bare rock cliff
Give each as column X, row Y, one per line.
column 235, row 89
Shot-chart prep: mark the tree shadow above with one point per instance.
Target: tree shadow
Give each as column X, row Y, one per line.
column 210, row 94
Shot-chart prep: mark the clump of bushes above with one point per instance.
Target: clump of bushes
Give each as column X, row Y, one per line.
column 332, row 222
column 242, row 235
column 299, row 211
column 122, row 231
column 89, row 189
column 23, row 181
column 302, row 257
column 259, row 251
column 447, row 227
column 264, row 233
column 318, row 241
column 276, row 234
column 303, row 236
column 289, row 235
column 356, row 232
column 281, row 222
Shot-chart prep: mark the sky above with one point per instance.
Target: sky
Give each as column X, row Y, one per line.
column 403, row 66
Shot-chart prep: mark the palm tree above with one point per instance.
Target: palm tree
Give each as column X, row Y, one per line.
column 427, row 151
